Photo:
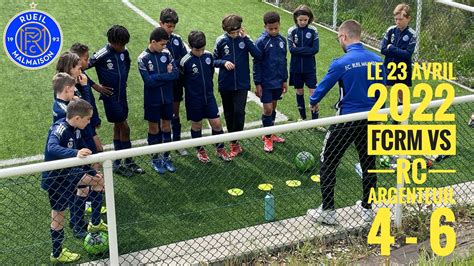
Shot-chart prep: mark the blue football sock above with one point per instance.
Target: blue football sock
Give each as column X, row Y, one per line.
column 152, row 140
column 218, row 145
column 57, row 238
column 301, row 106
column 127, row 145
column 96, row 205
column 267, row 120
column 314, row 115
column 176, row 128
column 76, row 206
column 196, row 134
column 117, row 147
column 274, row 114
column 166, row 139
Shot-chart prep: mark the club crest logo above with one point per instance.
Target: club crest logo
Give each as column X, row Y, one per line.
column 32, row 39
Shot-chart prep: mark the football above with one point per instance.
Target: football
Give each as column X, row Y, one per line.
column 304, row 161
column 96, row 243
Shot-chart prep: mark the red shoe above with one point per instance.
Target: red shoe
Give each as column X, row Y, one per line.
column 267, row 144
column 202, row 156
column 235, row 149
column 222, row 154
column 277, row 139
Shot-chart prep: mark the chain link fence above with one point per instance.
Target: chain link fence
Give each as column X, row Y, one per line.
column 220, row 210
column 444, row 31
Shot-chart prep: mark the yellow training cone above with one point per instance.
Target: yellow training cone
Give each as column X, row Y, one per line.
column 235, row 191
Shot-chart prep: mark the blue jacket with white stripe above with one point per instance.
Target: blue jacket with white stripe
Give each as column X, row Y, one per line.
column 270, row 70
column 112, row 70
column 64, row 141
column 237, row 52
column 402, row 45
column 59, row 109
column 158, row 83
column 176, row 47
column 350, row 71
column 198, row 78
column 303, row 44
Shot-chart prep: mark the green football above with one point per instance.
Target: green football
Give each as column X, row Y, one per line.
column 304, row 161
column 96, row 243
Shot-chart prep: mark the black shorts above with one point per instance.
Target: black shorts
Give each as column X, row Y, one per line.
column 197, row 113
column 299, row 79
column 157, row 112
column 178, row 89
column 270, row 95
column 116, row 110
column 60, row 193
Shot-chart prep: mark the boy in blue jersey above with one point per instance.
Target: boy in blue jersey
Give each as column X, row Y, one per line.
column 231, row 55
column 168, row 20
column 198, row 70
column 64, row 141
column 350, row 72
column 303, row 43
column 83, row 52
column 112, row 64
column 270, row 73
column 158, row 71
column 63, row 87
column 398, row 46
column 70, row 63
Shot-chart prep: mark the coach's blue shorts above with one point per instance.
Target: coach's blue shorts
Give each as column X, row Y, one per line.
column 270, row 95
column 62, row 189
column 156, row 112
column 116, row 110
column 299, row 79
column 198, row 112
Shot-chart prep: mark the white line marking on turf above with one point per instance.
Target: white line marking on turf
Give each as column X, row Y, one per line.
column 251, row 97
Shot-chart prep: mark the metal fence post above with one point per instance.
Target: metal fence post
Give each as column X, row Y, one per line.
column 419, row 4
column 111, row 219
column 334, row 15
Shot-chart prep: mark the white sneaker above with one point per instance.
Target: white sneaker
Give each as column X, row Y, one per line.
column 183, row 152
column 366, row 214
column 322, row 216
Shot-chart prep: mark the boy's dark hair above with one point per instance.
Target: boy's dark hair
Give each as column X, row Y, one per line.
column 78, row 107
column 61, row 80
column 197, row 39
column 169, row 15
column 231, row 22
column 66, row 62
column 79, row 49
column 303, row 10
column 271, row 17
column 159, row 34
column 118, row 34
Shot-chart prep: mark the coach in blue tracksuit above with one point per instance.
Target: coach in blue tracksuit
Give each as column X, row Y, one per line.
column 350, row 71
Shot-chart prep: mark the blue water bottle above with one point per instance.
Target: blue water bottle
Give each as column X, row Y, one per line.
column 269, row 207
